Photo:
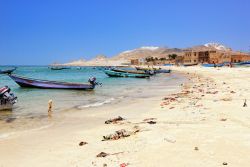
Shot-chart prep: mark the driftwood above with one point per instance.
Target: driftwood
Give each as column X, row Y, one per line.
column 114, row 120
column 82, row 143
column 245, row 103
column 103, row 154
column 120, row 134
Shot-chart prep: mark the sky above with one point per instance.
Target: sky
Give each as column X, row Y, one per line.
column 40, row 32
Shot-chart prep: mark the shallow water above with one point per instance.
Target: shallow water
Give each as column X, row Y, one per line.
column 33, row 103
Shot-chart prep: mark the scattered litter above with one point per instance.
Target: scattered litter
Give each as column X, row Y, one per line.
column 245, row 103
column 120, row 134
column 149, row 119
column 224, row 163
column 223, row 119
column 227, row 99
column 196, row 148
column 215, row 92
column 82, row 143
column 170, row 140
column 151, row 122
column 114, row 120
column 102, row 154
column 123, row 164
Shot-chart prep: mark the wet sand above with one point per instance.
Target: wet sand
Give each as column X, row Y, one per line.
column 204, row 124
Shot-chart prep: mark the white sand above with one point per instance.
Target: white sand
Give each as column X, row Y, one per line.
column 216, row 123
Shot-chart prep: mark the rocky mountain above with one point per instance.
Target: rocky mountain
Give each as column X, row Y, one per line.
column 76, row 63
column 210, row 46
column 218, row 46
column 147, row 51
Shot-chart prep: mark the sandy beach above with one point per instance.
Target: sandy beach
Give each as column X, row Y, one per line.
column 203, row 124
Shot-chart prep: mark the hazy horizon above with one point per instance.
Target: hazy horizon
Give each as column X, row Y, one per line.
column 43, row 32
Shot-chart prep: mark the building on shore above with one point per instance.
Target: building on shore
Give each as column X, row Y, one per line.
column 194, row 57
column 238, row 57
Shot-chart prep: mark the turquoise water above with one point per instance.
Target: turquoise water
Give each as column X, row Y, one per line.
column 33, row 103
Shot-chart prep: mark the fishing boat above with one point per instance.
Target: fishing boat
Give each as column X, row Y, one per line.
column 115, row 73
column 45, row 84
column 59, row 68
column 162, row 71
column 213, row 65
column 7, row 99
column 7, row 71
column 245, row 63
column 193, row 64
column 145, row 68
column 130, row 71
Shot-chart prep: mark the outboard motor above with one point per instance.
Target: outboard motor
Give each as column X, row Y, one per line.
column 6, row 96
column 92, row 81
column 150, row 72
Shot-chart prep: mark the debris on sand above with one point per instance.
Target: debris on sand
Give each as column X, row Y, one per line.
column 151, row 122
column 170, row 140
column 102, row 154
column 124, row 164
column 9, row 120
column 82, row 143
column 114, row 120
column 224, row 163
column 227, row 99
column 245, row 103
column 223, row 119
column 209, row 92
column 120, row 134
column 196, row 148
column 149, row 119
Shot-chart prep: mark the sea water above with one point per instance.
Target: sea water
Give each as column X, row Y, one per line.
column 32, row 103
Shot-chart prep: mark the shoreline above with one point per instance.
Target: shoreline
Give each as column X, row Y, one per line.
column 204, row 124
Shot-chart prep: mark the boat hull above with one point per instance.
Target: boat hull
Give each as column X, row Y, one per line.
column 162, row 71
column 44, row 84
column 112, row 73
column 212, row 65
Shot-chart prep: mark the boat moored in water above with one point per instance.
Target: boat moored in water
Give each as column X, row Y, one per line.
column 7, row 71
column 122, row 73
column 59, row 68
column 45, row 84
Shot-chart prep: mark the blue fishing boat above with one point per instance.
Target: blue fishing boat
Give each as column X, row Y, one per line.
column 45, row 84
column 245, row 63
column 120, row 73
column 213, row 65
column 162, row 71
column 168, row 64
